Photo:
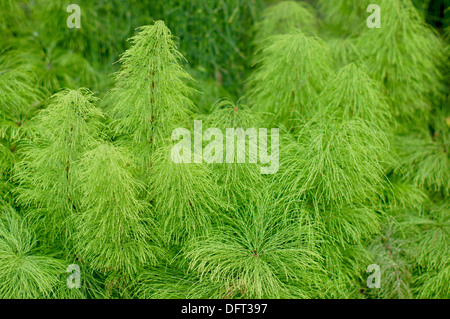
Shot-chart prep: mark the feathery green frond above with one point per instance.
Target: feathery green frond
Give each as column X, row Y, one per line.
column 292, row 73
column 62, row 132
column 257, row 254
column 24, row 273
column 389, row 250
column 240, row 182
column 150, row 95
column 424, row 155
column 285, row 17
column 114, row 230
column 344, row 16
column 335, row 161
column 185, row 196
column 350, row 93
column 406, row 56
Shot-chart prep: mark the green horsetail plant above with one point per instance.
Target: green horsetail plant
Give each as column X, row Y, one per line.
column 240, row 182
column 344, row 51
column 157, row 204
column 19, row 97
column 350, row 93
column 150, row 97
column 292, row 73
column 165, row 282
column 344, row 17
column 334, row 161
column 24, row 271
column 345, row 230
column 391, row 251
column 114, row 231
column 186, row 197
column 282, row 18
column 406, row 56
column 149, row 101
column 424, row 154
column 47, row 175
column 413, row 251
column 432, row 227
column 57, row 68
column 258, row 254
column 214, row 34
column 12, row 18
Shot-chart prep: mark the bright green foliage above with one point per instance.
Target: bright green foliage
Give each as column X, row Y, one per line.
column 87, row 40
column 424, row 154
column 389, row 249
column 114, row 229
column 344, row 51
column 184, row 195
column 239, row 182
column 214, row 34
column 150, row 96
column 363, row 175
column 47, row 175
column 285, row 17
column 258, row 254
column 24, row 272
column 335, row 162
column 432, row 256
column 151, row 99
column 406, row 56
column 344, row 16
column 292, row 72
column 18, row 96
column 350, row 93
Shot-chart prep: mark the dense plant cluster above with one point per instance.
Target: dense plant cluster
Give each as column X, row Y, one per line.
column 87, row 175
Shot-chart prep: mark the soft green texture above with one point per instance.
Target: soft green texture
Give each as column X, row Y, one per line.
column 87, row 178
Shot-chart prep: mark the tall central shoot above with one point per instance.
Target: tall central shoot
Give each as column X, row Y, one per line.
column 150, row 96
column 150, row 100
